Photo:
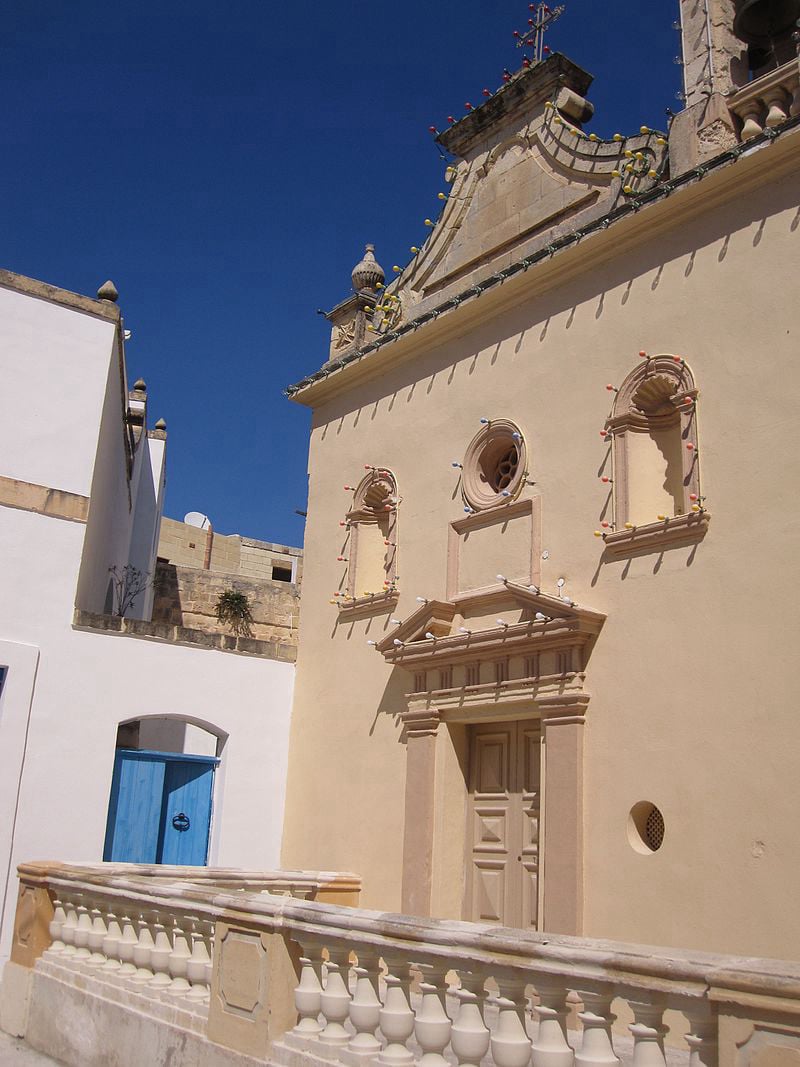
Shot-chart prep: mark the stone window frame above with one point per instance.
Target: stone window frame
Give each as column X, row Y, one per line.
column 365, row 511
column 626, row 418
column 489, row 440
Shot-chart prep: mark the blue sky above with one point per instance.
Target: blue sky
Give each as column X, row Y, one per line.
column 224, row 164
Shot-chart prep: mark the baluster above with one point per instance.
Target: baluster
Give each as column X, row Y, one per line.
column 178, row 959
column 56, row 923
column 702, row 1036
column 96, row 934
column 469, row 1038
column 794, row 107
column 308, row 997
column 111, row 945
column 142, row 949
column 511, row 1046
column 550, row 1047
column 365, row 1007
column 127, row 946
column 68, row 929
column 82, row 931
column 196, row 964
column 597, row 1047
column 396, row 1016
column 777, row 107
column 433, row 1025
column 209, row 930
column 751, row 116
column 159, row 956
column 648, row 1034
column 335, row 999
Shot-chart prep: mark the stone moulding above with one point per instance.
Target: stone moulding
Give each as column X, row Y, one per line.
column 654, row 536
column 501, row 513
column 91, row 622
column 566, row 629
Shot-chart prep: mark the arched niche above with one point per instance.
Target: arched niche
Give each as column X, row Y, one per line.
column 656, row 463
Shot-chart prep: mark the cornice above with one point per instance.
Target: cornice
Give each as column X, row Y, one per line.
column 714, row 183
column 101, row 309
column 566, row 626
column 677, row 530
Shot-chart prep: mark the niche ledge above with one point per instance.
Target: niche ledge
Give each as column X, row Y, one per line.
column 369, row 605
column 655, row 536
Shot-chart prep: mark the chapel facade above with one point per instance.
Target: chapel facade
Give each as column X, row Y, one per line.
column 547, row 633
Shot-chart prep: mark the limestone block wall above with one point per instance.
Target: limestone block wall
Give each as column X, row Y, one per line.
column 186, row 596
column 188, row 546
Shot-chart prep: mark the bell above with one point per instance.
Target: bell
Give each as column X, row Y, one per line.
column 761, row 22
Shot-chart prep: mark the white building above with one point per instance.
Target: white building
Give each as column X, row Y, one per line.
column 81, row 491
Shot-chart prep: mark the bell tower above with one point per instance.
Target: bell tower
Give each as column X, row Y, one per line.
column 714, row 58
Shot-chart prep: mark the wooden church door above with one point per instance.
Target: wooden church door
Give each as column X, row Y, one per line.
column 160, row 808
column 503, row 829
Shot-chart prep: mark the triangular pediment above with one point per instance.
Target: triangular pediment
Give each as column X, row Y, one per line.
column 465, row 627
column 524, row 172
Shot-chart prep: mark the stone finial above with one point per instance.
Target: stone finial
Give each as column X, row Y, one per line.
column 108, row 291
column 140, row 385
column 367, row 274
column 160, row 425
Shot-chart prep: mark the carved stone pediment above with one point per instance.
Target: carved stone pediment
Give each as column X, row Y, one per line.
column 543, row 622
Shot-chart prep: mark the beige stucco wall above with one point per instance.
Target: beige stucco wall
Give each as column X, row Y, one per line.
column 690, row 702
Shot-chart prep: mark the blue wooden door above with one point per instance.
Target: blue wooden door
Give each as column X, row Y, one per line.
column 160, row 808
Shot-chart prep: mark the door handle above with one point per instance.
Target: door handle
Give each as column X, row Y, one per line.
column 181, row 821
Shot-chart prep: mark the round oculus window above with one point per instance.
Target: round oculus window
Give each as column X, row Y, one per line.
column 494, row 465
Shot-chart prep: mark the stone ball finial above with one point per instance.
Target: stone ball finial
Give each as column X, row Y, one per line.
column 161, row 425
column 108, row 291
column 367, row 274
column 140, row 385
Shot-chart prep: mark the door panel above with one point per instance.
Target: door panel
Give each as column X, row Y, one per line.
column 134, row 815
column 187, row 793
column 504, row 805
column 490, row 774
column 160, row 808
column 529, row 767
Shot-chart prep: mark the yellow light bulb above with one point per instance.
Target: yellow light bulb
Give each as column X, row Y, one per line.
column 695, row 507
column 618, row 137
column 628, row 168
column 639, row 155
column 661, row 140
column 615, row 174
column 597, row 533
column 414, row 249
column 397, row 270
column 442, row 196
column 380, row 285
column 662, row 518
column 548, row 105
column 644, row 129
column 558, row 121
column 628, row 153
column 593, row 137
column 652, row 174
column 629, row 526
column 628, row 189
column 428, row 222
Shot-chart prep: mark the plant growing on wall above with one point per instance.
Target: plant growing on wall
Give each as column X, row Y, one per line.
column 233, row 610
column 128, row 583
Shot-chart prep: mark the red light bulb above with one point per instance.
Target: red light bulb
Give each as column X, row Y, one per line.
column 450, row 118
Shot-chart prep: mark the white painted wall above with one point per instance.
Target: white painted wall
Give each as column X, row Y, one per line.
column 53, row 365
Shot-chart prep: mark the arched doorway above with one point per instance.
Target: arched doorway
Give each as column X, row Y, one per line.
column 162, row 792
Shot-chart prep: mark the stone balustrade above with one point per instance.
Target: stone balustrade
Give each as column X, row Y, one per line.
column 768, row 101
column 226, row 974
